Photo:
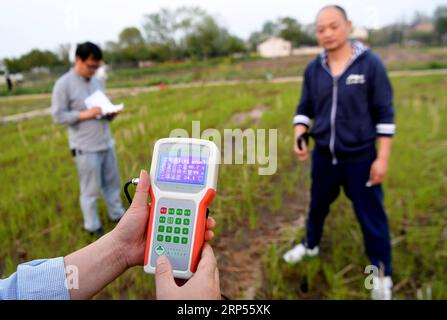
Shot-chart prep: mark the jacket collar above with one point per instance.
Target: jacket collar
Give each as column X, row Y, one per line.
column 358, row 49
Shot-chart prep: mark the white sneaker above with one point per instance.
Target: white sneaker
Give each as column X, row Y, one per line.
column 299, row 252
column 382, row 288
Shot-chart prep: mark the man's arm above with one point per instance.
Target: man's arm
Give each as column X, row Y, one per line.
column 383, row 114
column 384, row 148
column 96, row 265
column 60, row 109
column 303, row 116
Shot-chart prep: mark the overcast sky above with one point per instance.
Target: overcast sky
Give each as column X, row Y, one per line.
column 43, row 24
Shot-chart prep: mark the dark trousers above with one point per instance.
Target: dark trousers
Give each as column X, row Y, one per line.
column 327, row 179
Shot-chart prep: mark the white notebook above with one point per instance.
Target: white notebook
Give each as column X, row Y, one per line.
column 99, row 99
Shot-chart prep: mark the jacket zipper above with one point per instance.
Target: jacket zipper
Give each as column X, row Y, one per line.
column 334, row 106
column 333, row 112
column 333, row 116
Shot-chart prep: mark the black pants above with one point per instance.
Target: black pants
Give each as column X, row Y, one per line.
column 327, row 180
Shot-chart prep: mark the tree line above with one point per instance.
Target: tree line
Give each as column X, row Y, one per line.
column 192, row 33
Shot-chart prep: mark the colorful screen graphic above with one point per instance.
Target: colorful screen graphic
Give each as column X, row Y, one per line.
column 188, row 170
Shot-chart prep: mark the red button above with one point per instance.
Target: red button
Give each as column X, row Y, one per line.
column 163, row 210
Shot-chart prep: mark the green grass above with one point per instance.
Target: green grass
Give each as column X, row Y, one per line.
column 11, row 106
column 40, row 214
column 251, row 67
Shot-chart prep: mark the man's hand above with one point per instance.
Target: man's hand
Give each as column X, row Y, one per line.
column 204, row 284
column 302, row 153
column 112, row 116
column 379, row 168
column 131, row 232
column 90, row 113
column 378, row 172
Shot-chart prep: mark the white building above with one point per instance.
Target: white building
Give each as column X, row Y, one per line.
column 359, row 33
column 275, row 47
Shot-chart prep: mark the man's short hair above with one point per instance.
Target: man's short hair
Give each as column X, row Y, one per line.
column 339, row 8
column 87, row 49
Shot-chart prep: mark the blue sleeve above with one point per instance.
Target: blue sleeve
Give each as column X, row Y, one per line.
column 36, row 280
column 381, row 97
column 304, row 110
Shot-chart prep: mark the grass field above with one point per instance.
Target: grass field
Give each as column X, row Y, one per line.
column 246, row 68
column 40, row 214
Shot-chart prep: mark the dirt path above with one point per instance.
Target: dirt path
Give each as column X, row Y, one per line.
column 240, row 249
column 124, row 92
column 239, row 252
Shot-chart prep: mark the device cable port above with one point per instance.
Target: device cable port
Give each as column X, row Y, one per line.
column 134, row 182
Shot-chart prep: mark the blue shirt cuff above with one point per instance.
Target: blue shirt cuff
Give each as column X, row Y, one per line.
column 42, row 280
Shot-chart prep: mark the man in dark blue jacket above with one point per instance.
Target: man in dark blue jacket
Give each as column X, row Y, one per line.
column 347, row 94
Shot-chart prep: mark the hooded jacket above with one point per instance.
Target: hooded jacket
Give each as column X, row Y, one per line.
column 348, row 111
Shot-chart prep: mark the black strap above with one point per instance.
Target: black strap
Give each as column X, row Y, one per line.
column 302, row 138
column 75, row 152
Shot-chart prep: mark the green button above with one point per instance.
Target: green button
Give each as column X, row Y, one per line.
column 179, row 212
column 161, row 229
column 186, row 222
column 170, row 220
column 171, row 210
column 178, row 221
column 187, row 212
column 185, row 231
column 168, row 238
column 176, row 230
column 162, row 219
column 176, row 239
column 160, row 238
column 168, row 229
column 184, row 240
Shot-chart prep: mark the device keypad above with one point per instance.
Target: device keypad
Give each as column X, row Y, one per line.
column 176, row 227
column 173, row 231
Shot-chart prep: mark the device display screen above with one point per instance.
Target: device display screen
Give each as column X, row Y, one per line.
column 188, row 170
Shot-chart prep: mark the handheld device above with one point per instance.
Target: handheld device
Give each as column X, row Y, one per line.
column 302, row 138
column 183, row 184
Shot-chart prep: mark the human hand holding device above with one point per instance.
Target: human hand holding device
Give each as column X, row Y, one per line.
column 104, row 260
column 131, row 231
column 183, row 185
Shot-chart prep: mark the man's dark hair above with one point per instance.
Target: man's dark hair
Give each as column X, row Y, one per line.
column 87, row 50
column 339, row 8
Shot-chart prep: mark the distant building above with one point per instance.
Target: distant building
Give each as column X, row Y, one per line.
column 423, row 27
column 145, row 64
column 40, row 70
column 274, row 48
column 360, row 33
